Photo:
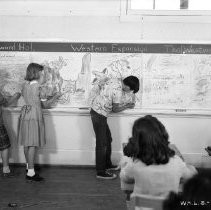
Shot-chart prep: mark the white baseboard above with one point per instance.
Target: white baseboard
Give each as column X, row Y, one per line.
column 83, row 157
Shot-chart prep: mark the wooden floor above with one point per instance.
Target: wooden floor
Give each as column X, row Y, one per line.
column 65, row 188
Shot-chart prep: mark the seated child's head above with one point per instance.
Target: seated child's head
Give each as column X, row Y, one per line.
column 149, row 142
column 160, row 126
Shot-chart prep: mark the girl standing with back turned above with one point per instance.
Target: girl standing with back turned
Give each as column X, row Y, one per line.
column 31, row 123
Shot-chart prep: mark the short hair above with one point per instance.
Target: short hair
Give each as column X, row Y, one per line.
column 150, row 141
column 32, row 71
column 132, row 82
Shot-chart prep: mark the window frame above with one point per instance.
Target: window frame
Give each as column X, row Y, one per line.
column 128, row 14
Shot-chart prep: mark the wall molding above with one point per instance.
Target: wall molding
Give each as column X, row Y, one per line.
column 87, row 157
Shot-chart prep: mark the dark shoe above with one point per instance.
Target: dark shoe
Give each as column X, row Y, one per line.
column 8, row 175
column 35, row 178
column 208, row 150
column 106, row 175
column 113, row 168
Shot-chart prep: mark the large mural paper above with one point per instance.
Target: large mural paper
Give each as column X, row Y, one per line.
column 167, row 81
column 73, row 74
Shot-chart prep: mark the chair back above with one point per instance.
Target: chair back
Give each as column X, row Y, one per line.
column 146, row 202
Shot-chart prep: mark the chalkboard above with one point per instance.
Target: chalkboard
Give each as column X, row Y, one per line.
column 173, row 76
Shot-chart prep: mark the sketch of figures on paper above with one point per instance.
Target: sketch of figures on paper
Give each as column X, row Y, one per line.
column 9, row 84
column 59, row 77
column 68, row 73
column 12, row 72
column 202, row 82
column 52, row 79
column 167, row 81
column 78, row 90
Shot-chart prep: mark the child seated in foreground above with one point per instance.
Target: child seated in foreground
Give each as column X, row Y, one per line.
column 152, row 165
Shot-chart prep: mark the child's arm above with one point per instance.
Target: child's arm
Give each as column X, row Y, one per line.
column 116, row 107
column 2, row 100
column 187, row 170
column 176, row 150
column 126, row 179
column 126, row 173
column 47, row 104
column 11, row 99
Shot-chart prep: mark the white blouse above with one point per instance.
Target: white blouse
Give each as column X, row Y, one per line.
column 156, row 180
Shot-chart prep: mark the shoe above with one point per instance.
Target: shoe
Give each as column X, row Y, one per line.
column 113, row 168
column 208, row 151
column 8, row 175
column 106, row 175
column 35, row 178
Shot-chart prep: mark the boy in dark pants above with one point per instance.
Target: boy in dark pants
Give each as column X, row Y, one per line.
column 109, row 98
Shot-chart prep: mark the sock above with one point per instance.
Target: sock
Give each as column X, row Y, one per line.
column 128, row 204
column 6, row 169
column 31, row 172
column 27, row 166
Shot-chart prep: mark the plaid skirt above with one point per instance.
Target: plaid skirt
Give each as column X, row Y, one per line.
column 4, row 138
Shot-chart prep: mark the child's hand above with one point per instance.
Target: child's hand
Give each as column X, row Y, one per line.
column 124, row 145
column 130, row 105
column 57, row 95
column 17, row 95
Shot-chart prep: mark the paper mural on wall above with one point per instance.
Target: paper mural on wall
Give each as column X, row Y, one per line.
column 73, row 74
column 176, row 81
column 168, row 81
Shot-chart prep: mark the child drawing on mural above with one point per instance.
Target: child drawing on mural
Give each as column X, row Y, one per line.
column 117, row 69
column 99, row 82
column 31, row 132
column 4, row 139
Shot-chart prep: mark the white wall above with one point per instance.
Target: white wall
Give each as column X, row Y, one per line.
column 71, row 141
column 70, row 138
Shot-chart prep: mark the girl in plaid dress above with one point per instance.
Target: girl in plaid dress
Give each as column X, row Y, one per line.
column 31, row 133
column 4, row 139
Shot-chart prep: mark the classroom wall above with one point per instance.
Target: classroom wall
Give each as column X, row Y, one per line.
column 70, row 138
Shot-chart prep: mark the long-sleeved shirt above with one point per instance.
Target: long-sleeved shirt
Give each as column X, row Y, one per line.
column 156, row 180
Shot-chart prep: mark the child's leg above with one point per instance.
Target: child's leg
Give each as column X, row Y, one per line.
column 5, row 160
column 128, row 193
column 31, row 175
column 26, row 149
column 30, row 158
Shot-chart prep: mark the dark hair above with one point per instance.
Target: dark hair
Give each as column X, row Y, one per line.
column 160, row 126
column 148, row 142
column 32, row 71
column 196, row 190
column 130, row 148
column 132, row 82
column 172, row 202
